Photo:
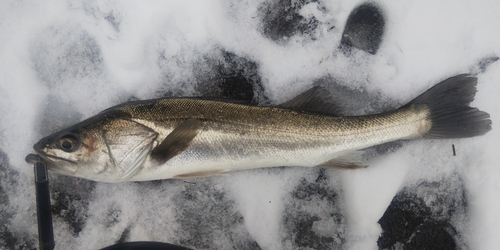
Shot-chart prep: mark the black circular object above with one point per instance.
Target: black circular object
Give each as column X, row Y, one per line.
column 364, row 29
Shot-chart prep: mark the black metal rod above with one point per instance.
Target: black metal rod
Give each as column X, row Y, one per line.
column 45, row 229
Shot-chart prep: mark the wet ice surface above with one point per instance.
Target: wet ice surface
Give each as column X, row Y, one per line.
column 62, row 61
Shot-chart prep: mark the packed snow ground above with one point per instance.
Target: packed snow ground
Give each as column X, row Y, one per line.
column 63, row 61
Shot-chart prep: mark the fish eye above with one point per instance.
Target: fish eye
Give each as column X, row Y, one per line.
column 68, row 142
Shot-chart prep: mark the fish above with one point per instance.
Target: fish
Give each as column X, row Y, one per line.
column 195, row 137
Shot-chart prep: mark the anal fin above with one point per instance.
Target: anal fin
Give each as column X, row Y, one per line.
column 200, row 174
column 348, row 160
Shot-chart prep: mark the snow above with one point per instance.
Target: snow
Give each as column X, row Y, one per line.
column 62, row 61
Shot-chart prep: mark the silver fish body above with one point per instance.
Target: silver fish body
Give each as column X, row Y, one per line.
column 188, row 137
column 244, row 137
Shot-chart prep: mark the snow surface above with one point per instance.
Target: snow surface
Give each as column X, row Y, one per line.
column 62, row 61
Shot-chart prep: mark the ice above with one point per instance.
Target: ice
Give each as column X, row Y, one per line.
column 63, row 61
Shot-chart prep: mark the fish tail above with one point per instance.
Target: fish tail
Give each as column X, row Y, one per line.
column 449, row 111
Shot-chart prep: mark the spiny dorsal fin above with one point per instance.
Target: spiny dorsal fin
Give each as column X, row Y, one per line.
column 314, row 100
column 348, row 160
column 177, row 141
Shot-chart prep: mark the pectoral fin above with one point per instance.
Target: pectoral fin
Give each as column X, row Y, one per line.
column 349, row 160
column 177, row 141
column 128, row 144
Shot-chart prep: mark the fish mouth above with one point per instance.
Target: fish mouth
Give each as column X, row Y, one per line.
column 51, row 158
column 54, row 163
column 56, row 158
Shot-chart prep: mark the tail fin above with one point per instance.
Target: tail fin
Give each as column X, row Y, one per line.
column 450, row 113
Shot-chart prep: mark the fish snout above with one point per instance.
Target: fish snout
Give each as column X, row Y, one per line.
column 40, row 145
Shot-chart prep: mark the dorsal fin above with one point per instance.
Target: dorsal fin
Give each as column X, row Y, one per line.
column 314, row 100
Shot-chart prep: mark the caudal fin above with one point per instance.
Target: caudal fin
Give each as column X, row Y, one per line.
column 450, row 113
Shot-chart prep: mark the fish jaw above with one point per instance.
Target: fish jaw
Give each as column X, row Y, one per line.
column 58, row 165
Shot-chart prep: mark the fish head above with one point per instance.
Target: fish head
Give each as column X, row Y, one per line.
column 105, row 149
column 77, row 151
